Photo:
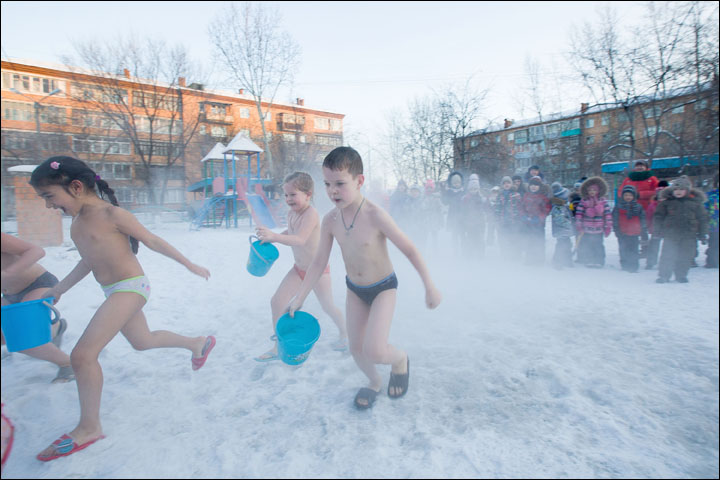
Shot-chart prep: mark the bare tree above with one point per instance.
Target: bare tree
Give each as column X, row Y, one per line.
column 135, row 93
column 256, row 54
column 672, row 53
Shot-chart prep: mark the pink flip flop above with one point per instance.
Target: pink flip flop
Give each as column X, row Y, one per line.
column 198, row 362
column 65, row 446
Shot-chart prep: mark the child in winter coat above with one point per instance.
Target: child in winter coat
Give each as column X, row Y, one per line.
column 534, row 209
column 507, row 218
column 681, row 219
column 712, row 207
column 653, row 247
column 630, row 226
column 562, row 226
column 592, row 220
column 473, row 203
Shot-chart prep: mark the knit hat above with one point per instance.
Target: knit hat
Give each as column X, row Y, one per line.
column 473, row 182
column 535, row 181
column 558, row 189
column 474, row 176
column 682, row 183
column 641, row 162
column 505, row 179
column 515, row 177
column 533, row 167
column 631, row 189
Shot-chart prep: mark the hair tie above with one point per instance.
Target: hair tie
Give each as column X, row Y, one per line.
column 97, row 177
column 54, row 165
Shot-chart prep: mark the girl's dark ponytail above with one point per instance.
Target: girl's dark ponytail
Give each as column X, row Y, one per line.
column 105, row 189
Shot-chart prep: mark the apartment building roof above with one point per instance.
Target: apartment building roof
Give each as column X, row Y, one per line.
column 125, row 76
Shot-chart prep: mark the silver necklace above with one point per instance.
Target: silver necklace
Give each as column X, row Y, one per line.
column 347, row 229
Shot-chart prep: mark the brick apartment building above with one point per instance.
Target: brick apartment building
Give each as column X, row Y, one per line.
column 143, row 137
column 577, row 143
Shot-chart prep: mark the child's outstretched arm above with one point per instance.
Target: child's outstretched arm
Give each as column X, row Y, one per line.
column 27, row 253
column 316, row 268
column 129, row 225
column 76, row 274
column 389, row 228
column 307, row 224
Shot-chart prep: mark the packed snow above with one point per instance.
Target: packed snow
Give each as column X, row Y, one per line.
column 523, row 372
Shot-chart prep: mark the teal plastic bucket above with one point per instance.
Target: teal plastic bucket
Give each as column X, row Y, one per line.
column 27, row 324
column 296, row 336
column 262, row 257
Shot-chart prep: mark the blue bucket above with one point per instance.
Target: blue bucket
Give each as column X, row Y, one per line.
column 296, row 336
column 262, row 257
column 27, row 324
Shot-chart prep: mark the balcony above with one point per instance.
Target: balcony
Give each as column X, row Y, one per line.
column 216, row 118
column 290, row 122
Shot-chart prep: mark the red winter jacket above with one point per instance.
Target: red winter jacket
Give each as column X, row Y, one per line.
column 645, row 184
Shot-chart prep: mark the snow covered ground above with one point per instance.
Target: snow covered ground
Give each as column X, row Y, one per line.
column 521, row 372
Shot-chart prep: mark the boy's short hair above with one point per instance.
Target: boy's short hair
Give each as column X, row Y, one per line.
column 344, row 158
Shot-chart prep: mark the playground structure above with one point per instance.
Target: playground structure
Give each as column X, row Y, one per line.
column 227, row 192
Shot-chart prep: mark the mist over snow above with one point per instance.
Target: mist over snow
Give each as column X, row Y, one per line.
column 522, row 372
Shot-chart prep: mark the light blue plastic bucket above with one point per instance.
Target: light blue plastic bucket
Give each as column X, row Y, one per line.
column 262, row 257
column 27, row 324
column 296, row 336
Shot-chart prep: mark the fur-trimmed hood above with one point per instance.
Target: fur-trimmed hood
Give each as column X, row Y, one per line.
column 599, row 181
column 694, row 194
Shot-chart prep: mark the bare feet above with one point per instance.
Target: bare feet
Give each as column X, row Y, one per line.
column 363, row 401
column 198, row 346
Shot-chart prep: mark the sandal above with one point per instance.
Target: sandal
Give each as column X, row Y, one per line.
column 65, row 374
column 367, row 394
column 399, row 380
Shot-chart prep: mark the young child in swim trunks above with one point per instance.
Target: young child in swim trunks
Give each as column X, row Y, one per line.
column 303, row 235
column 362, row 229
column 23, row 280
column 106, row 237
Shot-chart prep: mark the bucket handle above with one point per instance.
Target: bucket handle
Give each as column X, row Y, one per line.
column 54, row 310
column 255, row 250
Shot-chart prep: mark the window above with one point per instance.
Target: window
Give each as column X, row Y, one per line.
column 474, row 142
column 101, row 145
column 325, row 140
column 154, row 101
column 589, row 140
column 678, row 109
column 244, row 112
column 50, row 114
column 552, row 130
column 288, row 137
column 203, row 130
column 322, row 123
column 174, row 195
column 245, row 131
column 23, row 112
column 605, row 120
column 701, row 105
column 510, row 136
column 498, row 138
column 218, row 131
column 652, row 130
column 335, row 124
column 652, row 112
column 32, row 84
column 521, row 136
column 158, row 149
column 268, row 116
column 589, row 123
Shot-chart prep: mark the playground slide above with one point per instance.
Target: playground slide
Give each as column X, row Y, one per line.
column 260, row 211
column 209, row 206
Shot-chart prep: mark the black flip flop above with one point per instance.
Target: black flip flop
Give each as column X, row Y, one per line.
column 399, row 380
column 367, row 394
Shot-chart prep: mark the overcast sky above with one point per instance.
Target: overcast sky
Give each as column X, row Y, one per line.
column 362, row 59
